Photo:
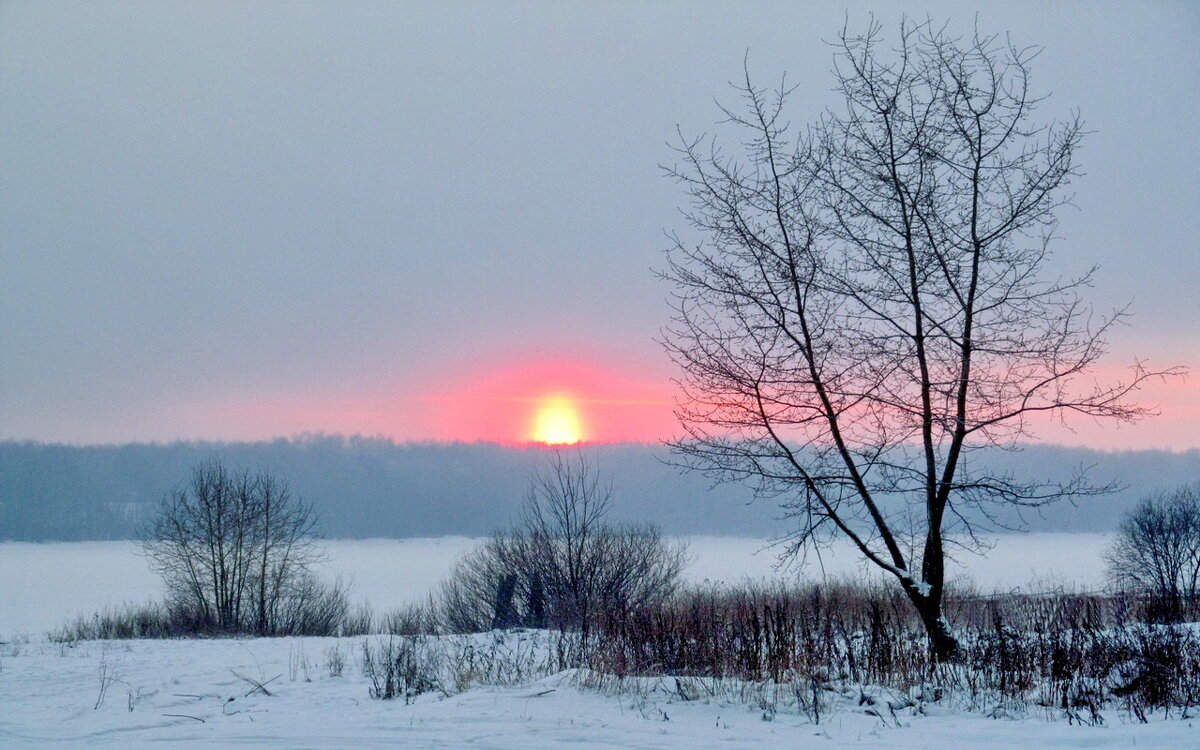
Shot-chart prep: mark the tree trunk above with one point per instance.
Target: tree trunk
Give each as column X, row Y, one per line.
column 943, row 646
column 504, row 614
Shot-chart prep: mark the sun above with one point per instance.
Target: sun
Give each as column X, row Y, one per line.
column 556, row 421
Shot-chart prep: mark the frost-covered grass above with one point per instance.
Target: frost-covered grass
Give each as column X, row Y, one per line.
column 813, row 654
column 1078, row 657
column 204, row 693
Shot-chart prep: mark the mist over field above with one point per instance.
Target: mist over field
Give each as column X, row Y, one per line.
column 370, row 488
column 47, row 585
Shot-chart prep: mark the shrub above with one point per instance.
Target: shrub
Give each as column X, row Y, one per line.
column 128, row 621
column 563, row 565
column 236, row 552
column 400, row 667
column 412, row 619
column 1157, row 552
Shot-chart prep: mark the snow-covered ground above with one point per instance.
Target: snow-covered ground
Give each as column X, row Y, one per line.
column 44, row 585
column 199, row 694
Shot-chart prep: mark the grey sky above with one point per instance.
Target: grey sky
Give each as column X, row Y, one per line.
column 204, row 202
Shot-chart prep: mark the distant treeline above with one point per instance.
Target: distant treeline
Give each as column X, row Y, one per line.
column 369, row 487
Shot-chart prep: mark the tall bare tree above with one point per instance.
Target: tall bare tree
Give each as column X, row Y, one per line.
column 868, row 301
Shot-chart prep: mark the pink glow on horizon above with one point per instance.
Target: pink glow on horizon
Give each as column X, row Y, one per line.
column 1176, row 426
column 612, row 406
column 501, row 406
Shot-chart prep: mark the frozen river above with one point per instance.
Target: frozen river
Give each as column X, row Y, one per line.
column 43, row 585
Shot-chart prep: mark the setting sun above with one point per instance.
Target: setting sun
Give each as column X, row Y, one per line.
column 557, row 422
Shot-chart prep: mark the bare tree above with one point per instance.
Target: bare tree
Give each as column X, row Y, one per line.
column 563, row 564
column 285, row 549
column 1157, row 550
column 867, row 301
column 236, row 552
column 197, row 543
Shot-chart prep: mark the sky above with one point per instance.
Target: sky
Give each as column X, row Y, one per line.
column 440, row 221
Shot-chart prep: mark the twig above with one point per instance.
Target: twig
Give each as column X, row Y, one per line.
column 185, row 716
column 257, row 685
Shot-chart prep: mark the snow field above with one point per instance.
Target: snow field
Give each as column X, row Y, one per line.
column 202, row 693
column 43, row 586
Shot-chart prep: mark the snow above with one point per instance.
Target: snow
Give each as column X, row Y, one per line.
column 196, row 693
column 44, row 585
column 188, row 693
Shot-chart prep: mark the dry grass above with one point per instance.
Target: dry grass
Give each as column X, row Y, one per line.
column 1075, row 653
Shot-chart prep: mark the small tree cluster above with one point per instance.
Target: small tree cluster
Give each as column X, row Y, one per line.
column 1157, row 550
column 236, row 551
column 563, row 563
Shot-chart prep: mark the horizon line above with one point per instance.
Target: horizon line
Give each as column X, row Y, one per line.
column 508, row 444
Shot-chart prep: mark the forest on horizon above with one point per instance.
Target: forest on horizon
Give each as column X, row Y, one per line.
column 372, row 487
